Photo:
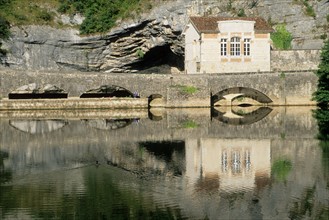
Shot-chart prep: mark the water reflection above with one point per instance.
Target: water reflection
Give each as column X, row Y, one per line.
column 163, row 169
column 234, row 164
column 38, row 126
column 109, row 124
column 237, row 115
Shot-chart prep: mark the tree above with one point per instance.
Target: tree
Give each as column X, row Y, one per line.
column 321, row 96
column 281, row 37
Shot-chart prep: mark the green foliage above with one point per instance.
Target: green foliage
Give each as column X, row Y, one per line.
column 101, row 15
column 281, row 37
column 241, row 13
column 188, row 89
column 4, row 28
column 322, row 117
column 140, row 53
column 281, row 168
column 323, row 36
column 309, row 9
column 321, row 96
column 44, row 15
column 327, row 18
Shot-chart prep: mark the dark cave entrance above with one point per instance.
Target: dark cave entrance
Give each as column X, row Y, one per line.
column 159, row 56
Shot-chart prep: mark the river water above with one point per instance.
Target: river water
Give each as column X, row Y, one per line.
column 243, row 163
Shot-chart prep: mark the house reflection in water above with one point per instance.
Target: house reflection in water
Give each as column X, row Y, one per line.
column 228, row 164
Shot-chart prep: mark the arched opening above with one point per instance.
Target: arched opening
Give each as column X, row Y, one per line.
column 158, row 60
column 228, row 96
column 107, row 91
column 33, row 91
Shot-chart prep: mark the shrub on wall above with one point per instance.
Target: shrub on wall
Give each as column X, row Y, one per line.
column 281, row 37
column 321, row 96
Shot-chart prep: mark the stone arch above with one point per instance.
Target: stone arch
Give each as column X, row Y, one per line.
column 35, row 91
column 239, row 92
column 105, row 91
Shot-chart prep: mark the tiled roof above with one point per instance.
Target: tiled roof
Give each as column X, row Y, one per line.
column 210, row 24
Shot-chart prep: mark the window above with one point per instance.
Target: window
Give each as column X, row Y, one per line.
column 235, row 46
column 246, row 47
column 223, row 47
column 198, row 67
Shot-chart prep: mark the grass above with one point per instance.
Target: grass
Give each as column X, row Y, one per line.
column 190, row 90
column 26, row 12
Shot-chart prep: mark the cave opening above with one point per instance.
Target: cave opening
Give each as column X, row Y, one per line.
column 160, row 56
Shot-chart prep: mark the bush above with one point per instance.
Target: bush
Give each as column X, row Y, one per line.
column 4, row 28
column 321, row 96
column 281, row 38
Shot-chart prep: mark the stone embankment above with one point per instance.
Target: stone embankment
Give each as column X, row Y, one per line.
column 74, row 103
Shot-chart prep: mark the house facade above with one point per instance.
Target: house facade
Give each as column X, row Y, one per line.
column 226, row 45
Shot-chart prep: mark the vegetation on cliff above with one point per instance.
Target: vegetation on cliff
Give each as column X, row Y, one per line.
column 100, row 15
column 281, row 38
column 321, row 96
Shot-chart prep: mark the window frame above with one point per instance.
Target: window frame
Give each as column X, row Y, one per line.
column 235, row 47
column 247, row 47
column 223, row 47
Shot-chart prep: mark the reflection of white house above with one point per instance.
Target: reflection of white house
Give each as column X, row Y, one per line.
column 219, row 45
column 235, row 164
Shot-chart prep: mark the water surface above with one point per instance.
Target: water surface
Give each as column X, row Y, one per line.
column 243, row 163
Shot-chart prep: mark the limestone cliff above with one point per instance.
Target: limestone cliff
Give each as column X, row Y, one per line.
column 154, row 38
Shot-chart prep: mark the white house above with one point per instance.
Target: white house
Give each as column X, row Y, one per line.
column 226, row 45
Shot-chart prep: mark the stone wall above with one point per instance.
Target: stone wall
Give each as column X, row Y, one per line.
column 295, row 60
column 113, row 103
column 292, row 88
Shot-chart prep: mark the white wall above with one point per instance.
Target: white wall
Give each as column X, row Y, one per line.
column 192, row 49
column 212, row 62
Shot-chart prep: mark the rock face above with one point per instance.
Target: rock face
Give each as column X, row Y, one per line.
column 155, row 38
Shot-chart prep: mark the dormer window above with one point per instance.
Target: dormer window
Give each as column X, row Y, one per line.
column 235, row 46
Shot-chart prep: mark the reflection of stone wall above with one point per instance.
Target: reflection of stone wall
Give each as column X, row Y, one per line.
column 80, row 142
